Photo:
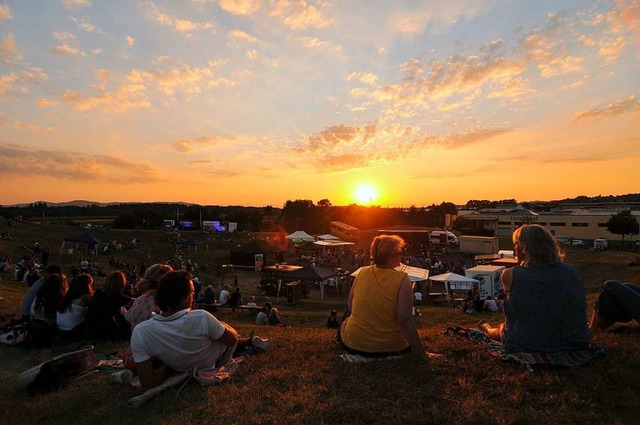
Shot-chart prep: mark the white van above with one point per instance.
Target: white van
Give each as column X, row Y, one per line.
column 443, row 237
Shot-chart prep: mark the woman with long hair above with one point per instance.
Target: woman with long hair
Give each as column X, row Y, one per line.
column 105, row 315
column 73, row 308
column 545, row 307
column 43, row 314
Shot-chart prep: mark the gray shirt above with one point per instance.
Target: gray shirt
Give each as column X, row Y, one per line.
column 546, row 311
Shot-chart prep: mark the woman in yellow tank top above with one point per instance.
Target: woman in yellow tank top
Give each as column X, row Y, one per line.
column 380, row 302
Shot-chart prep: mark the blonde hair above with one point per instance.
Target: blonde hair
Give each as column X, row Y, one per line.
column 539, row 246
column 152, row 277
column 383, row 247
column 114, row 283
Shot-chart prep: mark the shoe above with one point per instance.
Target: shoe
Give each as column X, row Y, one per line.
column 122, row 377
column 261, row 343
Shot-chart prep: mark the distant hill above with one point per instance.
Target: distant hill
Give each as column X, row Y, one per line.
column 75, row 203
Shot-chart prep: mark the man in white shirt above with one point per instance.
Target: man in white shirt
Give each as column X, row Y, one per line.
column 180, row 338
column 224, row 295
column 490, row 304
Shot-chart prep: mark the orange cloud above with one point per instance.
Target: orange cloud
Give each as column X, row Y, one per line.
column 181, row 25
column 630, row 104
column 300, row 14
column 205, row 142
column 126, row 97
column 8, row 52
column 47, row 103
column 65, row 49
column 5, row 13
column 240, row 7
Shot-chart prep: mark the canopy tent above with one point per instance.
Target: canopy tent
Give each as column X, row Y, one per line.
column 327, row 237
column 333, row 243
column 91, row 241
column 192, row 243
column 416, row 274
column 300, row 235
column 454, row 281
column 245, row 255
column 315, row 274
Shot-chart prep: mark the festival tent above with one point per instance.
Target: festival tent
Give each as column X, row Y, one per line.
column 300, row 235
column 245, row 255
column 91, row 241
column 454, row 282
column 315, row 274
column 327, row 237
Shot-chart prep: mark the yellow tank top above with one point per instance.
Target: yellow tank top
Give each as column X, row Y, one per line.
column 373, row 325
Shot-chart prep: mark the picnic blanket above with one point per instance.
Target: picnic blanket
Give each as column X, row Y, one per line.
column 357, row 358
column 527, row 360
column 203, row 377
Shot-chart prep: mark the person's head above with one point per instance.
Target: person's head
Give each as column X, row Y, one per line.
column 175, row 291
column 274, row 312
column 489, row 297
column 53, row 269
column 152, row 276
column 227, row 287
column 333, row 313
column 50, row 294
column 386, row 250
column 114, row 283
column 79, row 286
column 534, row 245
column 210, row 288
column 236, row 290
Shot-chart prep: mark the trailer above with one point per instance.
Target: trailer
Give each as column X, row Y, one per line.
column 489, row 278
column 478, row 245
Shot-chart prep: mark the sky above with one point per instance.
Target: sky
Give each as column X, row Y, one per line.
column 252, row 102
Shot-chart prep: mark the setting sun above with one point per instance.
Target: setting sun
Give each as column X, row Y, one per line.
column 365, row 194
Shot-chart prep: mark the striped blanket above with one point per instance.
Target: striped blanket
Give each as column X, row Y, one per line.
column 527, row 360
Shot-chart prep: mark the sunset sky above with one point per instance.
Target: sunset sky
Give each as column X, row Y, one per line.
column 251, row 102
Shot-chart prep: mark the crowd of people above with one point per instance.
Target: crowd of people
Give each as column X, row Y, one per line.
column 543, row 300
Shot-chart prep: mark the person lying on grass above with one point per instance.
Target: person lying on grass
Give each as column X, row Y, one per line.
column 180, row 339
column 545, row 310
column 617, row 302
column 378, row 321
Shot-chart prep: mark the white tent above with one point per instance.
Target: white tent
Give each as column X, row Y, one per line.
column 300, row 235
column 453, row 281
column 327, row 237
column 416, row 274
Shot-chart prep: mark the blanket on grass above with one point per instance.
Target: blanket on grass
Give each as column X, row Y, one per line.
column 527, row 360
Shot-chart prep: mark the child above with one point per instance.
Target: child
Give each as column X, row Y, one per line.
column 332, row 321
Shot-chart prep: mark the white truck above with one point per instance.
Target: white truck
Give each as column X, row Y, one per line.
column 489, row 279
column 443, row 237
column 478, row 245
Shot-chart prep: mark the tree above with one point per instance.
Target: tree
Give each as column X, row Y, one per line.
column 623, row 223
column 324, row 203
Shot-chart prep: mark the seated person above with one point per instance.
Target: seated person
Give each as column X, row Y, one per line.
column 417, row 297
column 145, row 304
column 546, row 304
column 181, row 339
column 500, row 301
column 44, row 309
column 490, row 305
column 378, row 321
column 332, row 321
column 224, row 295
column 33, row 291
column 262, row 319
column 73, row 308
column 105, row 315
column 617, row 302
column 274, row 318
column 236, row 298
column 209, row 296
column 252, row 302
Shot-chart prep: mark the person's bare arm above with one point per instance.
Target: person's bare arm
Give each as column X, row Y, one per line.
column 507, row 278
column 229, row 338
column 151, row 376
column 405, row 320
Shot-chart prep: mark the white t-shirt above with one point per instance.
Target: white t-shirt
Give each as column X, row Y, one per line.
column 224, row 296
column 491, row 305
column 262, row 319
column 417, row 296
column 69, row 319
column 181, row 341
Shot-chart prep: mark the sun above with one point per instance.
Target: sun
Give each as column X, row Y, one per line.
column 365, row 194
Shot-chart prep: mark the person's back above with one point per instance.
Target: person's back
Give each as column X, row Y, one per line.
column 372, row 326
column 262, row 319
column 224, row 296
column 546, row 310
column 490, row 305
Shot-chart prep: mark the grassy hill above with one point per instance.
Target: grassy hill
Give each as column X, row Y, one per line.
column 303, row 381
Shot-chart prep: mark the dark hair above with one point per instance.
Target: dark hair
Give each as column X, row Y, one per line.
column 114, row 283
column 79, row 286
column 50, row 295
column 53, row 269
column 173, row 290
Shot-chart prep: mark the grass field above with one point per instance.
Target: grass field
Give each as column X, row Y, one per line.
column 303, row 382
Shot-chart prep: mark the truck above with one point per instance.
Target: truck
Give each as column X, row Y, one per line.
column 489, row 279
column 478, row 245
column 443, row 237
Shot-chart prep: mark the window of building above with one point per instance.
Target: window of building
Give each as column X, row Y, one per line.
column 579, row 224
column 557, row 224
column 504, row 223
column 602, row 224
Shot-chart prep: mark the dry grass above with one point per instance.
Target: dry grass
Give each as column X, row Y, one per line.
column 303, row 382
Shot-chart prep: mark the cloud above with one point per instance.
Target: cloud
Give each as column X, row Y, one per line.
column 185, row 79
column 65, row 49
column 5, row 13
column 240, row 7
column 23, row 125
column 476, row 135
column 630, row 104
column 205, row 142
column 73, row 3
column 439, row 16
column 237, row 36
column 65, row 165
column 8, row 52
column 126, row 97
column 182, row 25
column 17, row 82
column 368, row 78
column 300, row 14
column 83, row 24
column 610, row 49
column 47, row 103
column 129, row 41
